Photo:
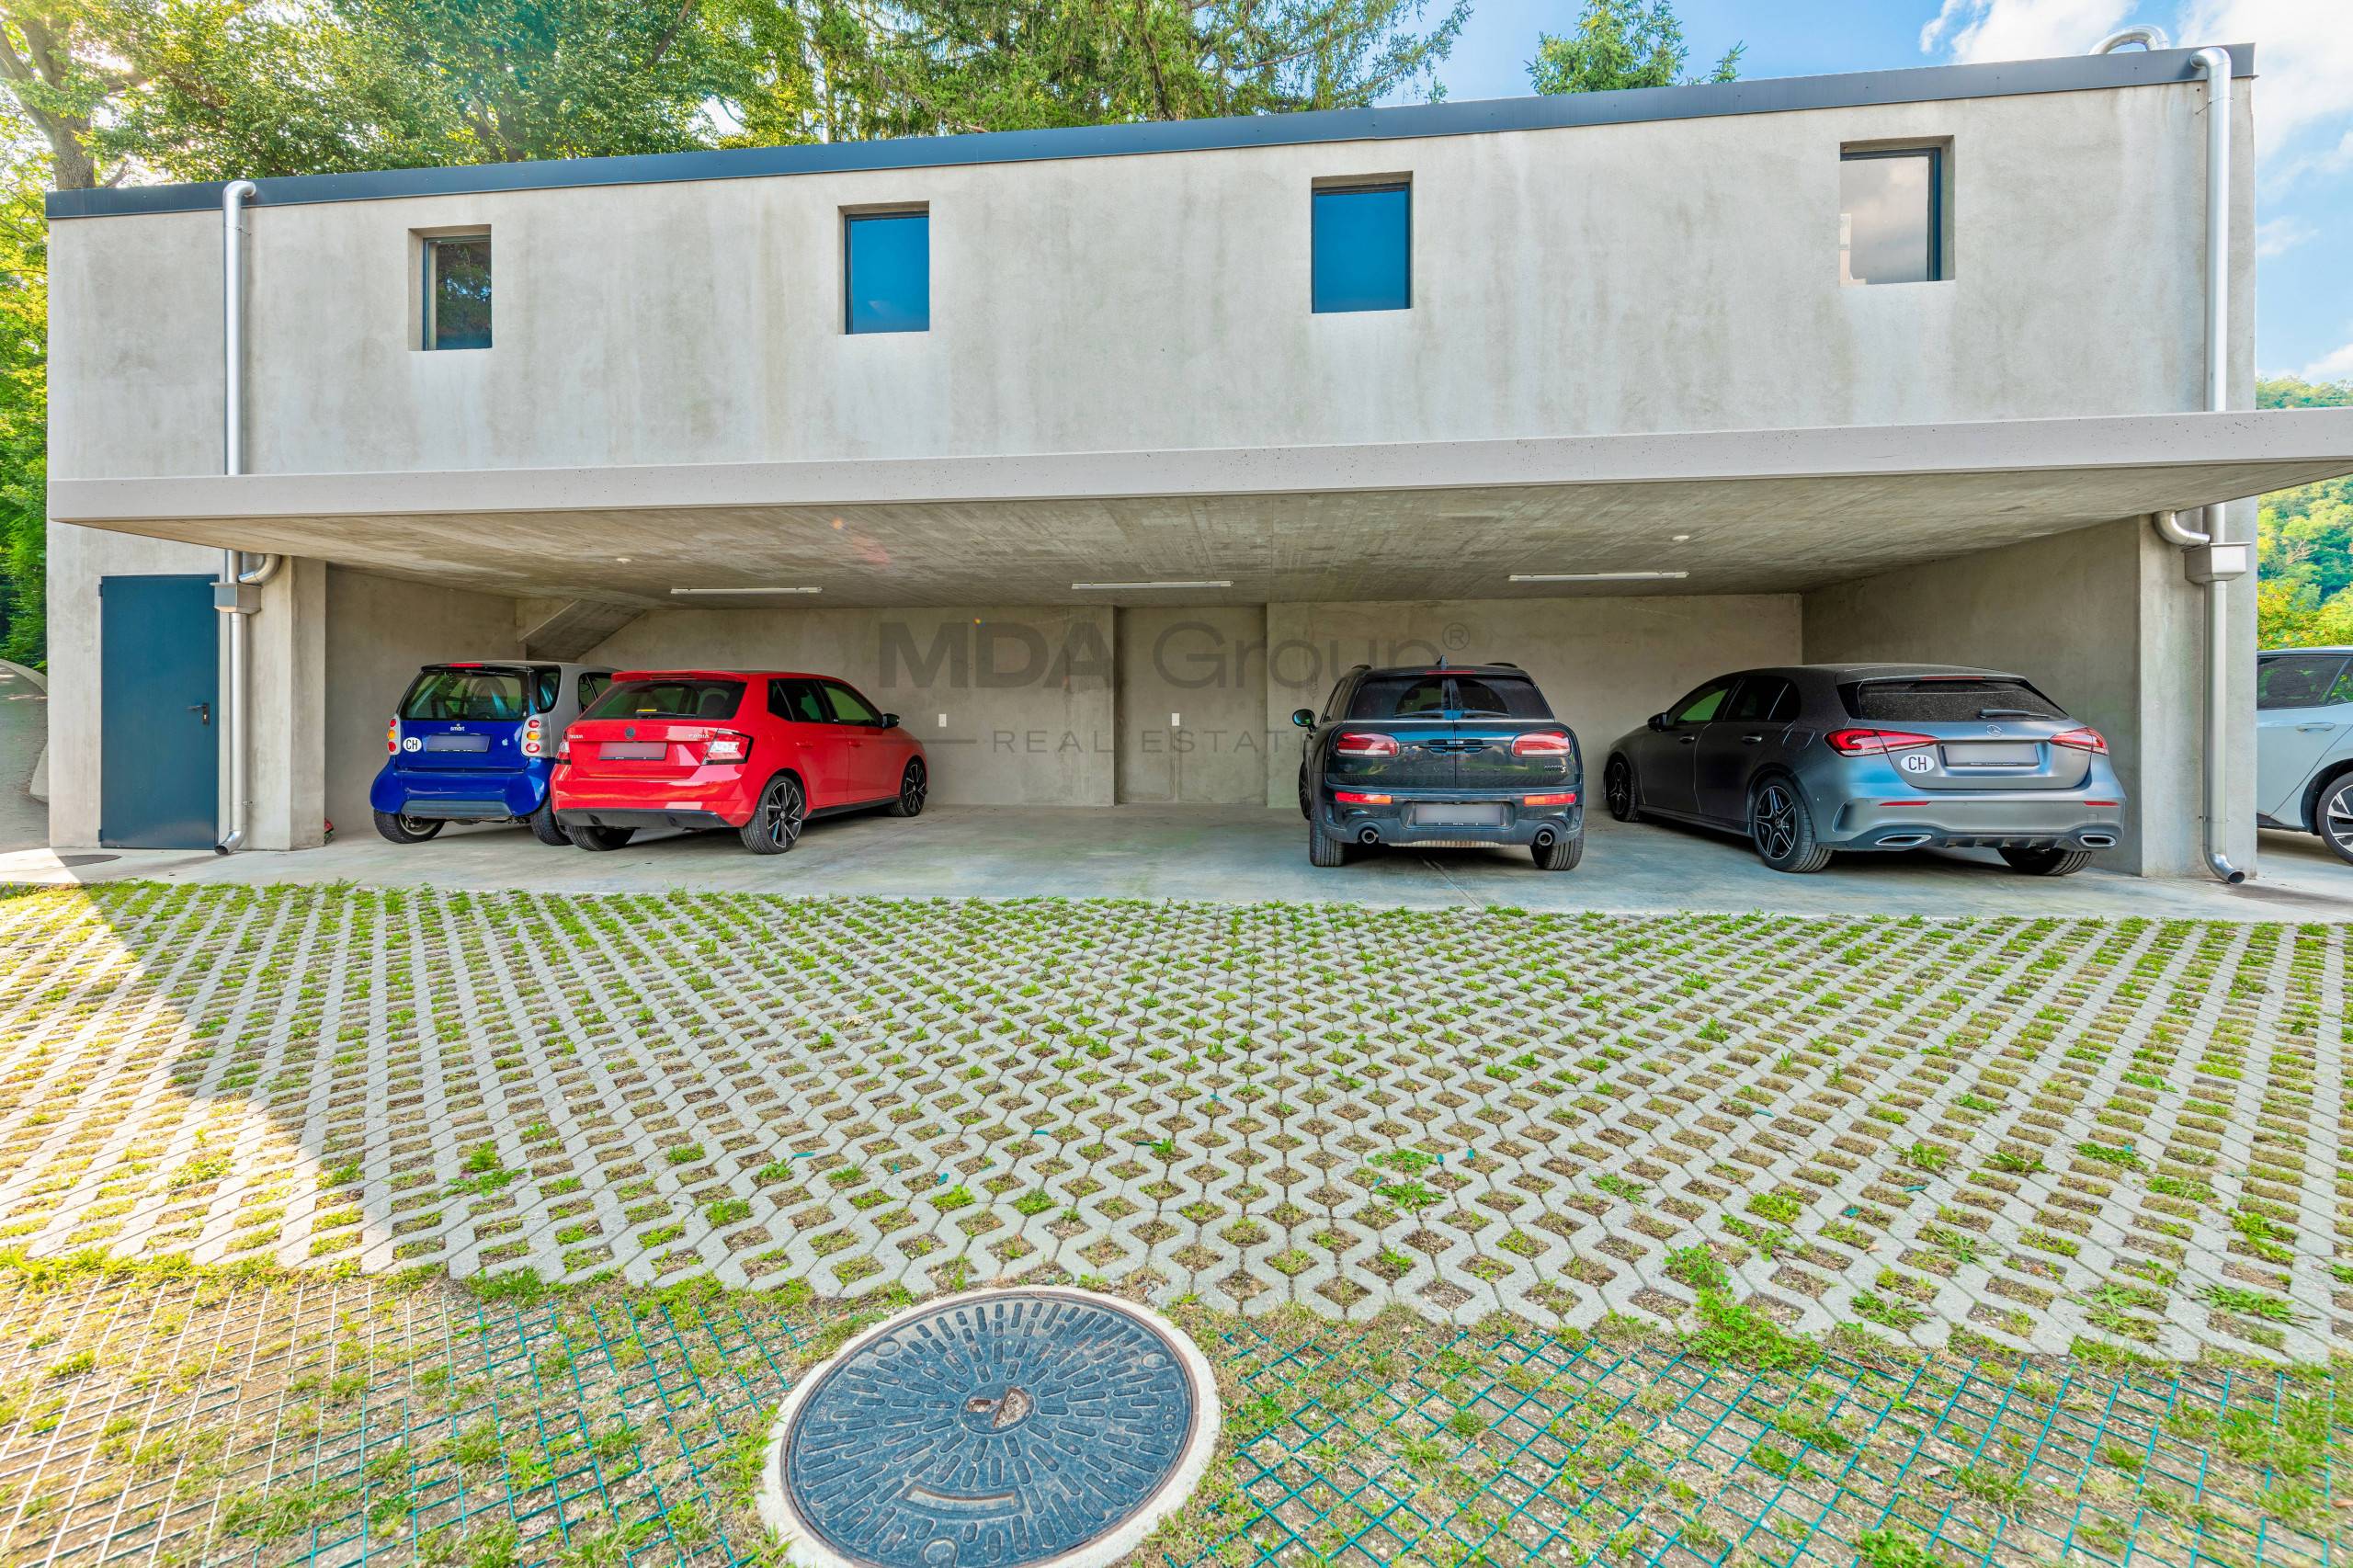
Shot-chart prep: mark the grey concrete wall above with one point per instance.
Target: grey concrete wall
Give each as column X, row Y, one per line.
column 2103, row 621
column 379, row 631
column 1605, row 663
column 1192, row 701
column 78, row 559
column 1014, row 706
column 1667, row 276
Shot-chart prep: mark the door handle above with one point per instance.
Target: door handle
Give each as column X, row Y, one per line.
column 2313, row 729
column 203, row 711
column 1688, row 739
column 1750, row 740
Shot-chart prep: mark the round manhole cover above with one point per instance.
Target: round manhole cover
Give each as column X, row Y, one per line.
column 995, row 1430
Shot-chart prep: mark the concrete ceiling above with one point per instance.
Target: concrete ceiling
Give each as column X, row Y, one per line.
column 1765, row 512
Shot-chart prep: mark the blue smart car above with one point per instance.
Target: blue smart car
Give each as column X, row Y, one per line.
column 476, row 741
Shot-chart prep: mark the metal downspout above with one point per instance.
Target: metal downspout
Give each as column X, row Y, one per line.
column 231, row 595
column 2215, row 563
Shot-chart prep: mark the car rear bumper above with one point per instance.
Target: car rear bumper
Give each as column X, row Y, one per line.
column 459, row 794
column 1396, row 823
column 2010, row 820
column 654, row 804
column 602, row 816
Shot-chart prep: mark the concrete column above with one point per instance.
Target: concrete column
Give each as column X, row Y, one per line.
column 288, row 721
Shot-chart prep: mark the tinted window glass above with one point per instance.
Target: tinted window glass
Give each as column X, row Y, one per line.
column 684, row 699
column 592, row 687
column 483, row 695
column 548, row 680
column 457, row 292
column 1887, row 216
column 1703, row 704
column 1948, row 702
column 797, row 701
column 1332, row 703
column 886, row 272
column 849, row 706
column 2296, row 680
column 1765, row 700
column 1498, row 697
column 1400, row 696
column 1363, row 248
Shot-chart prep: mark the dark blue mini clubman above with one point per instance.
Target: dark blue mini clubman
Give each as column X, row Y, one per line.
column 476, row 742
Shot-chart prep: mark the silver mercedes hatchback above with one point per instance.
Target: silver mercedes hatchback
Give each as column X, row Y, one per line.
column 1809, row 759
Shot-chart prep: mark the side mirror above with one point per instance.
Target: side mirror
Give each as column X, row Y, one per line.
column 1661, row 721
column 1304, row 717
column 890, row 720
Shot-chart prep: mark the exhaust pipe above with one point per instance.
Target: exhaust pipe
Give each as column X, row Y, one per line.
column 1368, row 836
column 2212, row 564
column 1905, row 841
column 1543, row 838
column 229, row 595
column 2099, row 841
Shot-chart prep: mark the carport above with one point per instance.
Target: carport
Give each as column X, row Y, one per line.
column 1097, row 629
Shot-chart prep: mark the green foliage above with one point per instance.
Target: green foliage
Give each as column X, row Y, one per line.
column 24, row 417
column 1732, row 1330
column 1620, row 44
column 2304, row 540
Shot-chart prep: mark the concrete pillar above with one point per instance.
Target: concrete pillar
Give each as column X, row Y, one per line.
column 288, row 721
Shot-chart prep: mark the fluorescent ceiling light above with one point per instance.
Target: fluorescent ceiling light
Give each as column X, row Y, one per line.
column 691, row 593
column 1110, row 587
column 1596, row 576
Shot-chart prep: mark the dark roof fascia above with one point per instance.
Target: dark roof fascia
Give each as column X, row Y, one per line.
column 2126, row 68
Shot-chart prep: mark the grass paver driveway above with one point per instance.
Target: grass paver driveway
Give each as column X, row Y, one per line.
column 1989, row 1134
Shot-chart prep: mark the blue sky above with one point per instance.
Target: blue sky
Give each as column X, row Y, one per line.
column 2303, row 104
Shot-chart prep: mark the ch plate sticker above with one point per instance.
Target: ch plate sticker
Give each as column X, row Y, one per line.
column 1917, row 762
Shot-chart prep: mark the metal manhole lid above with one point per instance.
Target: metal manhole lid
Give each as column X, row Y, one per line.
column 994, row 1430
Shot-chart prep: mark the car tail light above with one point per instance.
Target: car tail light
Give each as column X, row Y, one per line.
column 2083, row 739
column 535, row 735
column 1565, row 797
column 2103, row 803
column 1356, row 743
column 1358, row 798
column 723, row 746
column 563, row 749
column 1540, row 742
column 393, row 736
column 1875, row 742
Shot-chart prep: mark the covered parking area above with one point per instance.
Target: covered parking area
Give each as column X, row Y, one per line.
column 1132, row 629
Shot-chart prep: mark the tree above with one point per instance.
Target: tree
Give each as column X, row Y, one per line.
column 24, row 415
column 2305, row 539
column 1620, row 44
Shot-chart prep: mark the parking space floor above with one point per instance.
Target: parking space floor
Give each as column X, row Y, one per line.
column 1240, row 854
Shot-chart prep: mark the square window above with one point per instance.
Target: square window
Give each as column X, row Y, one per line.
column 1891, row 216
column 1363, row 247
column 886, row 272
column 457, row 291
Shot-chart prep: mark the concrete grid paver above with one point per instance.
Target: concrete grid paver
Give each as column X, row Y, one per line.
column 2037, row 1129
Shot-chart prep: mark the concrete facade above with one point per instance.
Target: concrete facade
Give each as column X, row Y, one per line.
column 1627, row 347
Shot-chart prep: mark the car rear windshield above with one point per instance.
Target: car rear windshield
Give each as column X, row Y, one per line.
column 479, row 695
column 1433, row 696
column 685, row 698
column 1947, row 700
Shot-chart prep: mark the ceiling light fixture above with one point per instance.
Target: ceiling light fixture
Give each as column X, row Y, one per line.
column 695, row 593
column 1596, row 576
column 1113, row 588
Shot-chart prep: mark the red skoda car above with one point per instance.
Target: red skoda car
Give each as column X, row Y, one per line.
column 756, row 751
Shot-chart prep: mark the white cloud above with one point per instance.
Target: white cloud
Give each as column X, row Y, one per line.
column 2336, row 366
column 2304, row 52
column 2279, row 235
column 2021, row 29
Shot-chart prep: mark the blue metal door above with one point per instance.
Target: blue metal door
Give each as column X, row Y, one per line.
column 159, row 705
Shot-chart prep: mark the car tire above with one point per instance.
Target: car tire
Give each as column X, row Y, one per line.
column 914, row 788
column 1617, row 790
column 2333, row 818
column 406, row 830
column 1306, row 807
column 545, row 828
column 2048, row 862
column 1781, row 828
column 1322, row 849
column 775, row 823
column 591, row 837
column 1561, row 855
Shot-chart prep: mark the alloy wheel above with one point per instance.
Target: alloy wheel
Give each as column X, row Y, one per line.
column 2337, row 821
column 1773, row 822
column 912, row 787
column 782, row 811
column 1617, row 789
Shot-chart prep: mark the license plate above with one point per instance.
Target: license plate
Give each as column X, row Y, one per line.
column 457, row 743
column 633, row 751
column 1993, row 754
column 1459, row 813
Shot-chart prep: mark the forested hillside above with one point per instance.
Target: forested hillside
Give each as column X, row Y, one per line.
column 2305, row 549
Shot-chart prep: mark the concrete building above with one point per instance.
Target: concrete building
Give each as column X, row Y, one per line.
column 1124, row 442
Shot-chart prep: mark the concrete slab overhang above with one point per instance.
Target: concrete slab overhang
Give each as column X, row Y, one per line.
column 1762, row 510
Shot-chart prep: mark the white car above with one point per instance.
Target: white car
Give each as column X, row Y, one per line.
column 2303, row 743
